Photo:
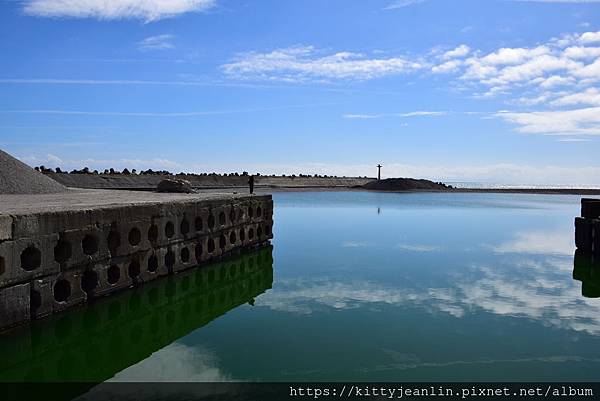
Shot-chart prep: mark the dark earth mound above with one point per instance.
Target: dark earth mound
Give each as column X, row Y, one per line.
column 405, row 184
column 18, row 178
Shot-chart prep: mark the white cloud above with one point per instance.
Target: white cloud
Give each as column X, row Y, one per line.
column 460, row 51
column 559, row 242
column 423, row 113
column 304, row 63
column 564, row 122
column 590, row 96
column 402, row 3
column 590, row 37
column 147, row 10
column 158, row 42
column 354, row 244
column 581, row 52
column 419, row 113
column 418, row 248
column 351, row 116
column 175, row 363
column 534, row 289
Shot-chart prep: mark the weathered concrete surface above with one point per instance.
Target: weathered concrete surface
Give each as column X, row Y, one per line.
column 67, row 248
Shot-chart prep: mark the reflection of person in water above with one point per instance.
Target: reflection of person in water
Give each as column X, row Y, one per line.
column 251, row 184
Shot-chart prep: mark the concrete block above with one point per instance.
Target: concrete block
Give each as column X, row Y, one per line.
column 153, row 265
column 134, row 237
column 582, row 265
column 584, row 234
column 84, row 247
column 113, row 276
column 27, row 258
column 596, row 245
column 42, row 299
column 590, row 208
column 14, row 305
column 6, row 222
column 67, row 291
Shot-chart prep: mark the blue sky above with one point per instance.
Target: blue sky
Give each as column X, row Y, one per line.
column 458, row 90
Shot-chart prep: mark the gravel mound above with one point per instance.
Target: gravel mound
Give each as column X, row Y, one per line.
column 405, row 184
column 18, row 178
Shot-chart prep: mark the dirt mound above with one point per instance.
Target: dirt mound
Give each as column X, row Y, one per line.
column 405, row 184
column 18, row 178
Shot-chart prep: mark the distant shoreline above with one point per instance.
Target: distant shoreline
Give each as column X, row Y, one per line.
column 266, row 184
column 533, row 191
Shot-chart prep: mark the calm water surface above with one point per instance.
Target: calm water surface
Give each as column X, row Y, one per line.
column 365, row 286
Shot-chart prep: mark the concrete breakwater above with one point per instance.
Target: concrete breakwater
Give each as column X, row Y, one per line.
column 61, row 250
column 587, row 227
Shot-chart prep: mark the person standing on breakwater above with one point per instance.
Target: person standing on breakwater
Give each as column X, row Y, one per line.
column 251, row 184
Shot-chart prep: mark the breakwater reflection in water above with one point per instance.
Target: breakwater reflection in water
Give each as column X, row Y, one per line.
column 93, row 343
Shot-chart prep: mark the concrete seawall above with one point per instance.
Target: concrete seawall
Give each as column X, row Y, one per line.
column 61, row 250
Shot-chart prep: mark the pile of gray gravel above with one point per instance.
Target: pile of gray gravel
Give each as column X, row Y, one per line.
column 18, row 178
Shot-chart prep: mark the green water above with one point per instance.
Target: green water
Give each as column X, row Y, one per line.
column 365, row 286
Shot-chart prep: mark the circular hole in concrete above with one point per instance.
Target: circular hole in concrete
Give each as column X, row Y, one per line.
column 258, row 211
column 152, row 264
column 134, row 269
column 62, row 251
column 184, row 227
column 185, row 255
column 211, row 245
column 170, row 259
column 114, row 241
column 232, row 238
column 251, row 233
column 153, row 233
column 113, row 274
column 89, row 280
column 2, row 266
column 259, row 232
column 169, row 229
column 89, row 244
column 222, row 241
column 135, row 236
column 198, row 252
column 198, row 224
column 222, row 220
column 242, row 234
column 31, row 258
column 211, row 221
column 62, row 290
